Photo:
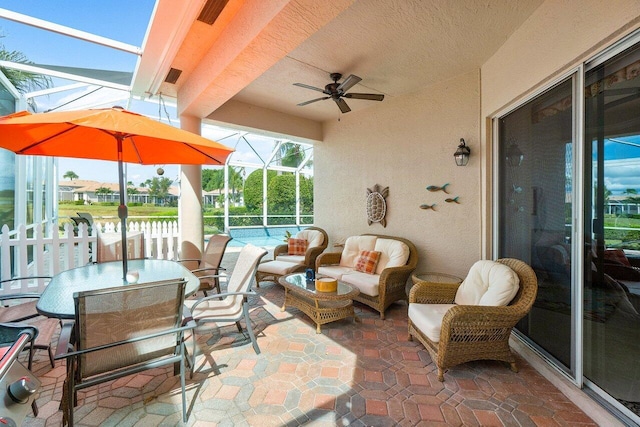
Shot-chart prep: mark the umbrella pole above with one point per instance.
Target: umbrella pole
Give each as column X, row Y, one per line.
column 122, row 209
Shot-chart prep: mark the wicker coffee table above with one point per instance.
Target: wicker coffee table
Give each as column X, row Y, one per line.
column 321, row 307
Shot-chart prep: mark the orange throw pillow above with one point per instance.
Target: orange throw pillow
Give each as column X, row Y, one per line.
column 297, row 246
column 367, row 261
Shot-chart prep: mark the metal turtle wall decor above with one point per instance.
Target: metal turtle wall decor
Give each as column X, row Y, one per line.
column 377, row 205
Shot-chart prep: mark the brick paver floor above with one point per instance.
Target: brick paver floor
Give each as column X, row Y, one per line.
column 353, row 374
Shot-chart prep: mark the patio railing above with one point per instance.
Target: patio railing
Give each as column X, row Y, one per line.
column 32, row 252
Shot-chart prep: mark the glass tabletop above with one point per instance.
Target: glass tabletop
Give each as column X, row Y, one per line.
column 299, row 280
column 57, row 297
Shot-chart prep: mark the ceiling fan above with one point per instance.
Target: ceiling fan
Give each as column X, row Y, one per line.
column 337, row 91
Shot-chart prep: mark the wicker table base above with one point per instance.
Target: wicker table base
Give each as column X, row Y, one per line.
column 321, row 307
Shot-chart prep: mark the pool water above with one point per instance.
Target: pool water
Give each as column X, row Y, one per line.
column 266, row 237
column 263, row 242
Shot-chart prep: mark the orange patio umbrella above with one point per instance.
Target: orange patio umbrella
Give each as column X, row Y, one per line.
column 108, row 134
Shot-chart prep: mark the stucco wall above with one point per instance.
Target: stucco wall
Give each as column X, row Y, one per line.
column 559, row 35
column 406, row 143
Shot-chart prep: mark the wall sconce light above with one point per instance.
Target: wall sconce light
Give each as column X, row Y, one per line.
column 514, row 155
column 462, row 154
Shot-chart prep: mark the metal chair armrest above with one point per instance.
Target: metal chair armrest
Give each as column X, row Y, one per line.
column 222, row 295
column 186, row 315
column 188, row 260
column 198, row 270
column 13, row 279
column 19, row 296
column 64, row 341
column 186, row 327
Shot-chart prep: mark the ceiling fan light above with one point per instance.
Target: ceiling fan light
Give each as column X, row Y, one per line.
column 337, row 92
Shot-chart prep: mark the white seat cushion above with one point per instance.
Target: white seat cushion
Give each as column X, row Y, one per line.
column 277, row 267
column 296, row 259
column 369, row 284
column 352, row 248
column 227, row 308
column 428, row 318
column 488, row 283
column 334, row 271
column 314, row 238
column 393, row 253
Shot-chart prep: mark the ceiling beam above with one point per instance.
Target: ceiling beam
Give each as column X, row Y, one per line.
column 259, row 35
column 170, row 23
column 238, row 115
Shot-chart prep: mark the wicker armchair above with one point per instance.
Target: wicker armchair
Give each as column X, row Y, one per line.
column 392, row 282
column 471, row 332
column 283, row 263
column 311, row 254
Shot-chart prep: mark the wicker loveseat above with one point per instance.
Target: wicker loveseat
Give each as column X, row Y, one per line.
column 398, row 259
column 469, row 332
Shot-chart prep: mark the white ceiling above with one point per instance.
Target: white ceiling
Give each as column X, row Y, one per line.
column 257, row 50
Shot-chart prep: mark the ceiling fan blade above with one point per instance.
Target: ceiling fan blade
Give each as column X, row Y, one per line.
column 313, row 100
column 309, row 87
column 342, row 105
column 367, row 96
column 348, row 83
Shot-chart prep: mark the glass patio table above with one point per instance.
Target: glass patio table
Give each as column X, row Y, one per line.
column 57, row 298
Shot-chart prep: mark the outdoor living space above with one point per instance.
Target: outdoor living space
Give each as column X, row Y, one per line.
column 478, row 130
column 357, row 374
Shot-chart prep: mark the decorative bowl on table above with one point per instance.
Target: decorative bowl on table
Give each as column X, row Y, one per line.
column 326, row 284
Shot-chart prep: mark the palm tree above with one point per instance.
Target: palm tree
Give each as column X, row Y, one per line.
column 212, row 179
column 103, row 190
column 71, row 175
column 632, row 195
column 236, row 181
column 23, row 81
column 131, row 188
column 291, row 154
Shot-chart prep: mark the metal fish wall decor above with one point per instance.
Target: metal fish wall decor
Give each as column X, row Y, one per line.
column 436, row 188
column 432, row 207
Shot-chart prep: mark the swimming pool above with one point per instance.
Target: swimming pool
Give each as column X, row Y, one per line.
column 267, row 237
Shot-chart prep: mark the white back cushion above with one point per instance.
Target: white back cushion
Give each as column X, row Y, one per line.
column 393, row 253
column 313, row 237
column 352, row 247
column 488, row 283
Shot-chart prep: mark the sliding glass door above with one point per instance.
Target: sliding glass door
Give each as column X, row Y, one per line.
column 535, row 203
column 580, row 233
column 612, row 227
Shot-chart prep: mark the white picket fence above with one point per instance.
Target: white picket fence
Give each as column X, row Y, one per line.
column 32, row 253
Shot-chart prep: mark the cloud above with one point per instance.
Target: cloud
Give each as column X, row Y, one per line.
column 621, row 175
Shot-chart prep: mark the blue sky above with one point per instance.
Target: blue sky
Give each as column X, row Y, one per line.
column 122, row 20
column 625, row 147
column 622, row 163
